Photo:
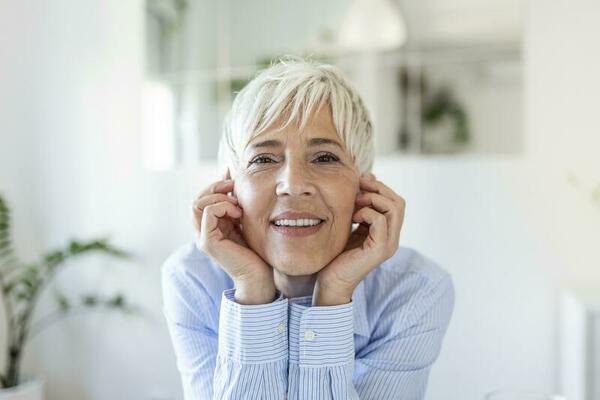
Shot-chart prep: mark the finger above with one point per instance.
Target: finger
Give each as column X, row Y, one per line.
column 212, row 214
column 199, row 205
column 217, row 187
column 368, row 184
column 379, row 187
column 382, row 205
column 397, row 221
column 377, row 224
column 378, row 201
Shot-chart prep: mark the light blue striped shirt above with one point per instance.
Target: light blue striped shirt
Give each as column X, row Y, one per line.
column 381, row 345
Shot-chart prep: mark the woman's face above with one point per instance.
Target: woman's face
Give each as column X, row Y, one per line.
column 301, row 174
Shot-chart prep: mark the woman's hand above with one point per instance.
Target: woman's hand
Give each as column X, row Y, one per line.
column 218, row 231
column 380, row 215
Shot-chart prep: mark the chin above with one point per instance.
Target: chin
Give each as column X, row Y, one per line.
column 297, row 267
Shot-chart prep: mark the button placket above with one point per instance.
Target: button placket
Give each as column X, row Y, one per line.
column 304, row 319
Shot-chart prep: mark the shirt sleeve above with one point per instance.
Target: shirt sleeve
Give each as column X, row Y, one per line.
column 252, row 350
column 248, row 353
column 393, row 365
column 397, row 364
column 190, row 317
column 321, row 350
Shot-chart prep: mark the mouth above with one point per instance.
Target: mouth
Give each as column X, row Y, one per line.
column 306, row 228
column 297, row 223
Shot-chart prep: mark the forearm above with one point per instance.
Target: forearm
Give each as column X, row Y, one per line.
column 321, row 351
column 253, row 342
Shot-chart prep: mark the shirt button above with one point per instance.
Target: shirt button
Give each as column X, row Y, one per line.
column 281, row 328
column 309, row 335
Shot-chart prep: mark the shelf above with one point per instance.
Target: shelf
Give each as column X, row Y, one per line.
column 394, row 59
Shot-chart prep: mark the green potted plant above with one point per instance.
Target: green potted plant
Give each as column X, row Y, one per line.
column 21, row 285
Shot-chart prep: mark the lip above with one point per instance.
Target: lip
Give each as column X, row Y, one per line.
column 296, row 215
column 297, row 231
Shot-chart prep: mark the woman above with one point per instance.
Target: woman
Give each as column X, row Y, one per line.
column 278, row 296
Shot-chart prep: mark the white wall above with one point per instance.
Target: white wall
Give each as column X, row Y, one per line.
column 16, row 133
column 461, row 212
column 73, row 121
column 563, row 140
column 71, row 77
column 562, row 100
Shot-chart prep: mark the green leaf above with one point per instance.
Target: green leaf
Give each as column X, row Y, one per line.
column 117, row 301
column 24, row 295
column 54, row 258
column 8, row 287
column 6, row 248
column 100, row 245
column 74, row 247
column 90, row 300
column 62, row 301
column 5, row 243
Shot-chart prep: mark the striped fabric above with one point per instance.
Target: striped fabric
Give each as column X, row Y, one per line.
column 381, row 345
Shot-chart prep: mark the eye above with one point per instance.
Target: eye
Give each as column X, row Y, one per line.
column 260, row 158
column 327, row 156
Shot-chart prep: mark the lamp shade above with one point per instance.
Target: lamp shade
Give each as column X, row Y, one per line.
column 372, row 25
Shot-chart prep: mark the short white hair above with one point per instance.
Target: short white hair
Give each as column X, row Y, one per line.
column 293, row 87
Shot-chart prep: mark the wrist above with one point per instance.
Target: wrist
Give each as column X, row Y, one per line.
column 250, row 293
column 331, row 295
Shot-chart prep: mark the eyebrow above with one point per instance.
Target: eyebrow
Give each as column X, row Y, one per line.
column 311, row 143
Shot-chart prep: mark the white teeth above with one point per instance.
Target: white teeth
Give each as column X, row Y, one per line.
column 297, row 222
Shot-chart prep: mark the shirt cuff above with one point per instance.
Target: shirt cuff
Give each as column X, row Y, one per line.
column 320, row 335
column 254, row 333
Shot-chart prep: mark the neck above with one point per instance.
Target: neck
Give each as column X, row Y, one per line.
column 294, row 286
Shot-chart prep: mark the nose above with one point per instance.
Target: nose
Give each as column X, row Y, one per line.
column 295, row 180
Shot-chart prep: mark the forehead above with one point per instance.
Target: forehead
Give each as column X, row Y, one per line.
column 319, row 130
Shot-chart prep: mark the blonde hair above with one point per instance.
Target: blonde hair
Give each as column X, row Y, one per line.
column 293, row 87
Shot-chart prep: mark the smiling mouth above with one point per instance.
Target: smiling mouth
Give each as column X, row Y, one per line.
column 302, row 222
column 296, row 231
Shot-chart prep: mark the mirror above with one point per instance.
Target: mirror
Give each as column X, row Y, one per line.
column 452, row 87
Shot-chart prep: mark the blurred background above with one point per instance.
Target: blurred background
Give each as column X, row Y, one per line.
column 487, row 123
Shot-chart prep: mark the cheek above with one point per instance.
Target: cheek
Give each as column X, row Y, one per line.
column 341, row 200
column 253, row 199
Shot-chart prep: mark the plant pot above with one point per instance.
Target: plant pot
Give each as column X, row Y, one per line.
column 30, row 388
